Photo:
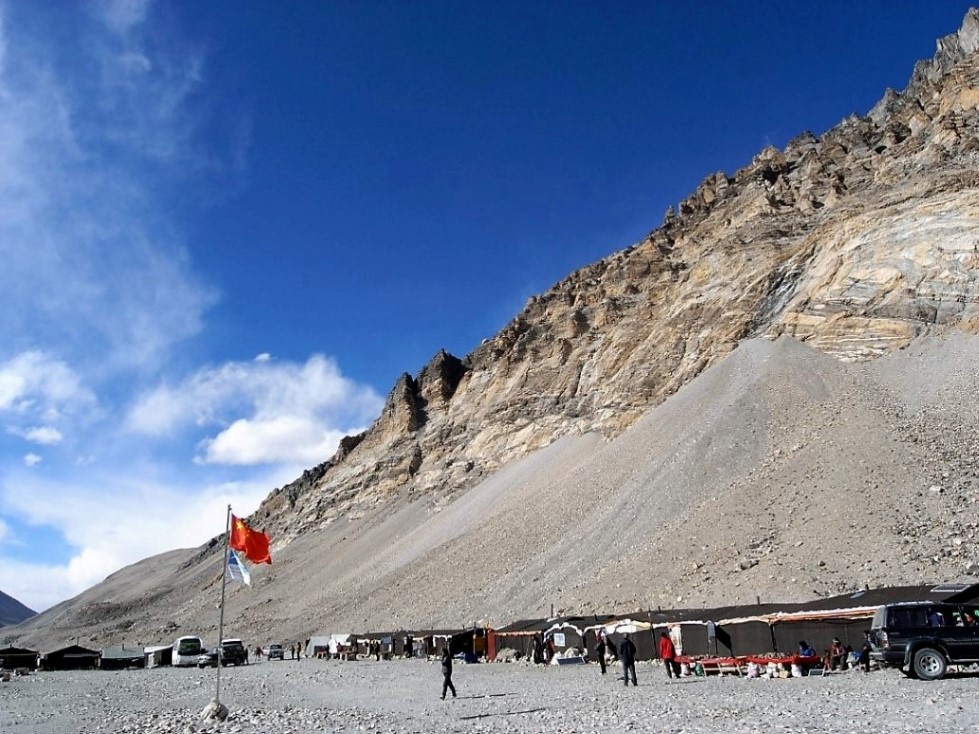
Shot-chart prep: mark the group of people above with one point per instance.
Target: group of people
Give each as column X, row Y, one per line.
column 626, row 654
column 839, row 656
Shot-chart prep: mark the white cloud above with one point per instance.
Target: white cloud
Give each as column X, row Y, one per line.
column 44, row 435
column 286, row 438
column 99, row 128
column 265, row 411
column 114, row 528
column 35, row 382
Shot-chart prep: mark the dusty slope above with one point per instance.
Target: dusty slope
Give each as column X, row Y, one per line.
column 856, row 241
column 818, row 472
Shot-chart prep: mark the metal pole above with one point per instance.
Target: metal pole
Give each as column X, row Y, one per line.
column 224, row 581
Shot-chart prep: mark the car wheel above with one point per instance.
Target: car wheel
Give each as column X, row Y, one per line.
column 929, row 664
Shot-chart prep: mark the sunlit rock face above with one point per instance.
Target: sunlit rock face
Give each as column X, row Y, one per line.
column 855, row 242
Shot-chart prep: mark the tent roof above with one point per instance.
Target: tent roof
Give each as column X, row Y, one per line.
column 524, row 626
column 73, row 651
column 122, row 653
column 17, row 651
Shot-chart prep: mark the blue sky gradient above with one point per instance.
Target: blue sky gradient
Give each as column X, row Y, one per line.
column 226, row 228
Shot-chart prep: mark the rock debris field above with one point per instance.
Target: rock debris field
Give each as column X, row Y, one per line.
column 291, row 697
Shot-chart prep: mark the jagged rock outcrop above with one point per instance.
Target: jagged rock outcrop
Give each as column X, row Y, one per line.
column 856, row 241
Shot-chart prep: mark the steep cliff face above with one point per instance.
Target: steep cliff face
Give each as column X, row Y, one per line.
column 855, row 241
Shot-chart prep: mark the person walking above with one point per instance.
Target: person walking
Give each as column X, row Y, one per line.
column 627, row 654
column 447, row 673
column 667, row 653
column 600, row 650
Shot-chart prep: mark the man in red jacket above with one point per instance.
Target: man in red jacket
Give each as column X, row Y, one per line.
column 667, row 653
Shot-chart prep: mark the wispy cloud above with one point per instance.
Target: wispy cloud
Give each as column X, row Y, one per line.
column 132, row 519
column 101, row 133
column 121, row 16
column 38, row 384
column 88, row 261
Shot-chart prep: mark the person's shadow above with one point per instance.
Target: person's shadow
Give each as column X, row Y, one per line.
column 501, row 713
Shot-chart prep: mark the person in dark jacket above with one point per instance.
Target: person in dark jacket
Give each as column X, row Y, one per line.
column 600, row 651
column 538, row 650
column 447, row 673
column 627, row 654
column 865, row 649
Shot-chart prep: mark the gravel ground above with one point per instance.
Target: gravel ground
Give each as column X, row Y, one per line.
column 403, row 696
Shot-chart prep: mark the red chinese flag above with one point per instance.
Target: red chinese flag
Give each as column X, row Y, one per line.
column 252, row 543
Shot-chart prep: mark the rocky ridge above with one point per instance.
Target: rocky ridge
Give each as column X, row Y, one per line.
column 856, row 242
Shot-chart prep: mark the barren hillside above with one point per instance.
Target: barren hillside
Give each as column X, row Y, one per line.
column 545, row 467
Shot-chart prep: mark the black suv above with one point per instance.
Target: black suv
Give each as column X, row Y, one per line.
column 233, row 652
column 924, row 638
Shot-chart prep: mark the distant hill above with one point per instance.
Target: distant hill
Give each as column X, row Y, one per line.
column 12, row 611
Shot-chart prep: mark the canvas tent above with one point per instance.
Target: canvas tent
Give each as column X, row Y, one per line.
column 517, row 636
column 566, row 633
column 18, row 657
column 640, row 631
column 343, row 644
column 318, row 646
column 848, row 615
column 118, row 658
column 156, row 656
column 73, row 657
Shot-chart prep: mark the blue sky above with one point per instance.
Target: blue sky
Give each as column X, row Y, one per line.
column 227, row 227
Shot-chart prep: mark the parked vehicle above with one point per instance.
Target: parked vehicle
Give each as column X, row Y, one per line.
column 924, row 638
column 233, row 652
column 208, row 659
column 275, row 652
column 186, row 649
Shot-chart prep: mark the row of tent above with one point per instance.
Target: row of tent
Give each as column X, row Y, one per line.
column 720, row 632
column 757, row 629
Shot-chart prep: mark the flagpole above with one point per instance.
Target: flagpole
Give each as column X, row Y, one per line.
column 224, row 581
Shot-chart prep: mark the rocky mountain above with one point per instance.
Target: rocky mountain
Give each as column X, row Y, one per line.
column 12, row 611
column 489, row 486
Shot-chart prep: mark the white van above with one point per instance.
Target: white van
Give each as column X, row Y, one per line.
column 186, row 649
